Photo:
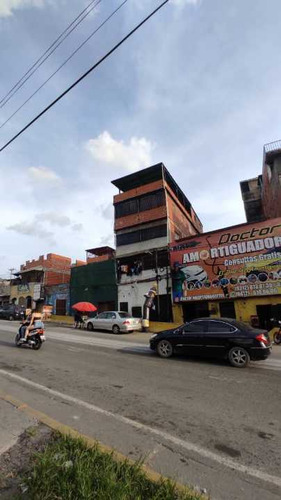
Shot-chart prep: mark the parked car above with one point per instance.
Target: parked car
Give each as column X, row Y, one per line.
column 116, row 321
column 218, row 338
column 11, row 312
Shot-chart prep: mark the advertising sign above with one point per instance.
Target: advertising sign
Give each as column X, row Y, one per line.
column 240, row 261
column 36, row 291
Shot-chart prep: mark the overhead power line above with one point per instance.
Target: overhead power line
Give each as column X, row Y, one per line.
column 64, row 63
column 65, row 34
column 85, row 74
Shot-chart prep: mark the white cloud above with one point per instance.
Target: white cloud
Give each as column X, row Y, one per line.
column 43, row 174
column 132, row 156
column 30, row 229
column 54, row 219
column 77, row 227
column 8, row 6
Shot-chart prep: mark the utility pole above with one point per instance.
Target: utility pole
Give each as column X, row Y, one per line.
column 12, row 269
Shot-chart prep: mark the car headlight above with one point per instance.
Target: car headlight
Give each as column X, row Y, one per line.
column 153, row 336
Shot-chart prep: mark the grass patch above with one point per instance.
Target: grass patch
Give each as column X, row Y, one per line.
column 68, row 469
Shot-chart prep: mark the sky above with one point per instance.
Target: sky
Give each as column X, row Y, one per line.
column 197, row 88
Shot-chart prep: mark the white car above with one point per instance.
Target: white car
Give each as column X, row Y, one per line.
column 194, row 273
column 115, row 321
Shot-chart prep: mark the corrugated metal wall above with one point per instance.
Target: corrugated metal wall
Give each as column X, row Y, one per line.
column 95, row 283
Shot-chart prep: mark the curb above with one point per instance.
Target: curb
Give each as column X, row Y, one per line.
column 90, row 442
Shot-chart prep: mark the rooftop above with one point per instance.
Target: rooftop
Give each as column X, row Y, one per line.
column 148, row 175
column 100, row 250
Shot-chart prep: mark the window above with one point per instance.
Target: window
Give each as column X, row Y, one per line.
column 102, row 316
column 126, row 208
column 151, row 200
column 127, row 238
column 196, row 326
column 136, row 312
column 110, row 315
column 123, row 307
column 141, row 235
column 220, row 327
column 140, row 204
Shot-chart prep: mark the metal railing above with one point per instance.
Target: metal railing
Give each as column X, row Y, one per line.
column 272, row 146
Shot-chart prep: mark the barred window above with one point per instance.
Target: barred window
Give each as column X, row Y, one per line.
column 140, row 204
column 141, row 235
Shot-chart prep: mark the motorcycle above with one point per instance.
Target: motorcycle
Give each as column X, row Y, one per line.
column 34, row 340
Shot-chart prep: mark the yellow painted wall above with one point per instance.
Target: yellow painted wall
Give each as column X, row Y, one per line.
column 244, row 308
column 15, row 294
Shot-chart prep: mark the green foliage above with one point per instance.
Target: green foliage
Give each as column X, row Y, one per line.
column 68, row 470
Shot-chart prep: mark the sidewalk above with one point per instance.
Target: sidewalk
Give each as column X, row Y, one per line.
column 13, row 424
column 67, row 321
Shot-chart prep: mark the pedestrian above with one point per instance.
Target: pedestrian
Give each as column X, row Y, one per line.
column 78, row 320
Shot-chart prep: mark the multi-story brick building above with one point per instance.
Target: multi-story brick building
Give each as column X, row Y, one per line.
column 37, row 279
column 150, row 212
column 262, row 195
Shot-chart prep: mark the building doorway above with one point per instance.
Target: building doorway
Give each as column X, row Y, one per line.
column 106, row 306
column 61, row 307
column 227, row 309
column 195, row 310
column 266, row 312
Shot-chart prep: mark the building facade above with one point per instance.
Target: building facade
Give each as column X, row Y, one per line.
column 5, row 291
column 35, row 278
column 150, row 212
column 262, row 195
column 95, row 280
column 233, row 272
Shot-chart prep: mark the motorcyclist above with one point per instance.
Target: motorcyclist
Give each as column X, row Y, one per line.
column 35, row 321
column 25, row 322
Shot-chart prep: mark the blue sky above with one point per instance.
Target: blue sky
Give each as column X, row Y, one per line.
column 197, row 88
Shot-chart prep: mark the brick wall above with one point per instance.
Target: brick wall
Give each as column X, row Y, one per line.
column 141, row 218
column 133, row 193
column 271, row 189
column 182, row 224
column 51, row 261
column 99, row 258
column 56, row 268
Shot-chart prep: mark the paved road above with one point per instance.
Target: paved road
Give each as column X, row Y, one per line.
column 203, row 423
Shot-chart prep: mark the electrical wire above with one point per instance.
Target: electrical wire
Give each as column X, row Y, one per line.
column 64, row 63
column 46, row 55
column 85, row 74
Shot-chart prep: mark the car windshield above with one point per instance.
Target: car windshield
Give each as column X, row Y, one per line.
column 124, row 315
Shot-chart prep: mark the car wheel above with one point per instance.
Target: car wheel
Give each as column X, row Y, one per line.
column 116, row 329
column 238, row 357
column 11, row 318
column 90, row 327
column 164, row 349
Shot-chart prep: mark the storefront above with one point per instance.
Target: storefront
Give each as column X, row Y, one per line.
column 234, row 272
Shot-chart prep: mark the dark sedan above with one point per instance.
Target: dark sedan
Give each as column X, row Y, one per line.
column 217, row 338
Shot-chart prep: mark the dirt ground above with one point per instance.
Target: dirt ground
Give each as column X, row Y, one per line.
column 15, row 463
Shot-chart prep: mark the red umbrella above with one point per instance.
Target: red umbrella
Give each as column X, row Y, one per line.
column 84, row 307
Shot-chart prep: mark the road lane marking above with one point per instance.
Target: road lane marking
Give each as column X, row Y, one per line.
column 187, row 445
